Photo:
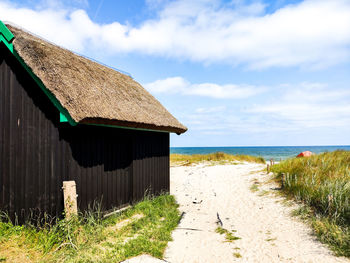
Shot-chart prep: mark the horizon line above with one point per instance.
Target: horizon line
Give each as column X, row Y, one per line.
column 335, row 145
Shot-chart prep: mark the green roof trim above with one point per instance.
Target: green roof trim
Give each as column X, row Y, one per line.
column 6, row 36
column 63, row 118
column 6, row 32
column 7, row 44
column 63, row 112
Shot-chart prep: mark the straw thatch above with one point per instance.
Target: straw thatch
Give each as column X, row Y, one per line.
column 91, row 92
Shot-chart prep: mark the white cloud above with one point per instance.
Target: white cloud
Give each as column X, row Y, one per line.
column 309, row 105
column 179, row 85
column 313, row 33
column 168, row 85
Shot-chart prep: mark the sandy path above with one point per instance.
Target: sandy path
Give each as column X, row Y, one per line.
column 268, row 233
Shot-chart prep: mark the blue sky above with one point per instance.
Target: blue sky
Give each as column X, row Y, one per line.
column 236, row 73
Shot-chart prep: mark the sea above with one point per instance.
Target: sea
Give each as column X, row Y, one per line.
column 268, row 152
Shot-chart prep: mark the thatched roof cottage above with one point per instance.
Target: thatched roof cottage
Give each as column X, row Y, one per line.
column 65, row 117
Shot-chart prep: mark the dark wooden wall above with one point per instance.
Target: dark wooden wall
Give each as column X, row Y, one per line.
column 150, row 157
column 110, row 165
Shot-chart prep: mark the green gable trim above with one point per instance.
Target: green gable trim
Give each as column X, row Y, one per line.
column 6, row 32
column 62, row 110
column 6, row 36
column 7, row 44
column 63, row 118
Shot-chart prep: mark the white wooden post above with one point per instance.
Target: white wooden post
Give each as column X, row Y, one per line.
column 70, row 198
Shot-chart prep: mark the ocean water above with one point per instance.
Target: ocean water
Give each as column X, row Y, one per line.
column 268, row 152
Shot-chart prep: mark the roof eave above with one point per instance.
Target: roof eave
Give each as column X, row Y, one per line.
column 132, row 125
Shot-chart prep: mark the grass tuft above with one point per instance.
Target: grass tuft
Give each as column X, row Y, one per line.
column 229, row 236
column 254, row 188
column 218, row 157
column 144, row 228
column 322, row 183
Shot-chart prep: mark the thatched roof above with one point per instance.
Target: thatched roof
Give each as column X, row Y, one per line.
column 89, row 91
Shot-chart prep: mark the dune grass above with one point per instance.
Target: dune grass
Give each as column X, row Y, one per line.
column 144, row 228
column 322, row 183
column 217, row 158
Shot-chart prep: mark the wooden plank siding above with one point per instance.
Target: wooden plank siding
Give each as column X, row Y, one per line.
column 150, row 165
column 111, row 165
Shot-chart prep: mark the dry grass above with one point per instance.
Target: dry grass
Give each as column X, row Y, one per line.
column 16, row 251
column 216, row 158
column 322, row 183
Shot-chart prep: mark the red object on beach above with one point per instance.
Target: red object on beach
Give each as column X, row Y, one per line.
column 305, row 154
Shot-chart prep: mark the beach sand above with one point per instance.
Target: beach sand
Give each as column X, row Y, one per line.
column 262, row 221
